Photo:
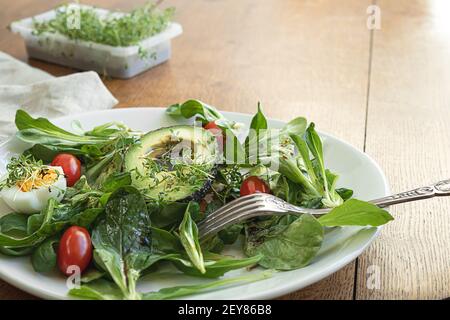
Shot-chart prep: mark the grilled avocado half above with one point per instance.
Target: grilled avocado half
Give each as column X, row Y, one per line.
column 174, row 163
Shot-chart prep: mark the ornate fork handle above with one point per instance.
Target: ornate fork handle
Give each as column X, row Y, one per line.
column 263, row 204
column 441, row 188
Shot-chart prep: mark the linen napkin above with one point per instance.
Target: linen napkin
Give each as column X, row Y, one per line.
column 41, row 94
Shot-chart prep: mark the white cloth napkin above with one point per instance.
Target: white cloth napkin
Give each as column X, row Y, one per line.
column 41, row 94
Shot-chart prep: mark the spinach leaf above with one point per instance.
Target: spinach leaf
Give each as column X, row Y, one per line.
column 169, row 214
column 16, row 252
column 230, row 234
column 345, row 193
column 356, row 213
column 213, row 244
column 181, row 291
column 122, row 240
column 14, row 224
column 39, row 152
column 164, row 241
column 189, row 239
column 284, row 246
column 43, row 258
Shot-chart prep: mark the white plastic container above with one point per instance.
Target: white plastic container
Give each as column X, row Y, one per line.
column 119, row 62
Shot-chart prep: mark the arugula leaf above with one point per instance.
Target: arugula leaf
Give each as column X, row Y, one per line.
column 115, row 181
column 296, row 126
column 303, row 149
column 91, row 275
column 204, row 112
column 213, row 268
column 42, row 131
column 332, row 198
column 102, row 289
column 122, row 240
column 257, row 125
column 259, row 121
column 99, row 289
column 356, row 213
column 181, row 291
column 284, row 245
column 189, row 239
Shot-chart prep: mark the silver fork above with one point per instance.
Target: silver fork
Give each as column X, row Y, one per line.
column 263, row 204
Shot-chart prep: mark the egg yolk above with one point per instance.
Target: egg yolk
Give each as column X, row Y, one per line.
column 42, row 178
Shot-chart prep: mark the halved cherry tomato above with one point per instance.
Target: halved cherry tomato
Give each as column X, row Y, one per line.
column 75, row 249
column 252, row 185
column 70, row 165
column 216, row 131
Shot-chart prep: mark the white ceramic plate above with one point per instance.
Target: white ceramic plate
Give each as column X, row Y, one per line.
column 342, row 245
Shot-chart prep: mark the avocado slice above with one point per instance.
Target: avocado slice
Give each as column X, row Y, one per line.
column 174, row 163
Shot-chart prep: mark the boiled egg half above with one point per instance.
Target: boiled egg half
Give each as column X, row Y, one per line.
column 31, row 195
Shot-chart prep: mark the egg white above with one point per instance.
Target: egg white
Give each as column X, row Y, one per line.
column 35, row 200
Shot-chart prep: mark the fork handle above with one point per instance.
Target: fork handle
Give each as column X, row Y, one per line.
column 441, row 189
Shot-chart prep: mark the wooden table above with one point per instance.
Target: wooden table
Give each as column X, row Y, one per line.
column 385, row 91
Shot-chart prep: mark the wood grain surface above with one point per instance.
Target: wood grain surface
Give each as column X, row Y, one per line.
column 408, row 133
column 385, row 91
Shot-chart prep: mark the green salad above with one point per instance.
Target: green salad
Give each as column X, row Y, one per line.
column 110, row 205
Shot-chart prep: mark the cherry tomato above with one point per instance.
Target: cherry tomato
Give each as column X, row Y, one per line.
column 216, row 131
column 70, row 165
column 75, row 249
column 252, row 185
column 212, row 125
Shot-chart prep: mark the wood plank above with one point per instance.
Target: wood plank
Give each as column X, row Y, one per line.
column 297, row 57
column 408, row 133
